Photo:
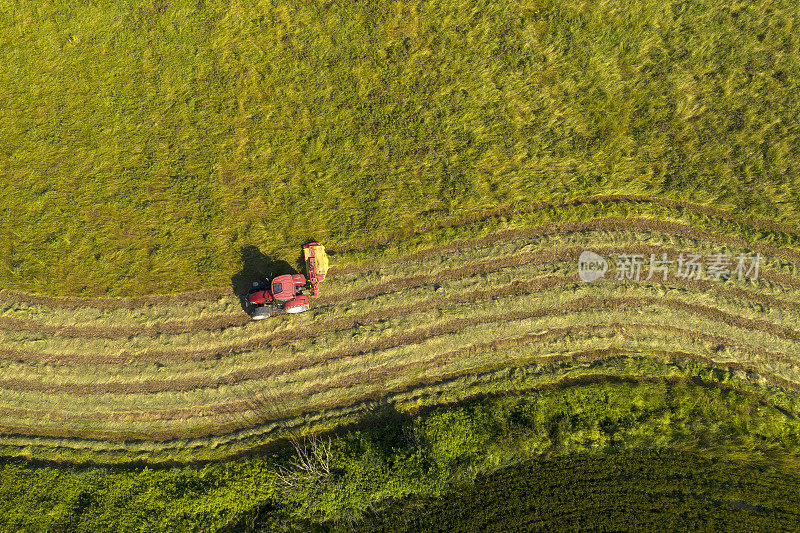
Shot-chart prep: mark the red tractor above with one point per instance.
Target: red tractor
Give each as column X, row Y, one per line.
column 285, row 292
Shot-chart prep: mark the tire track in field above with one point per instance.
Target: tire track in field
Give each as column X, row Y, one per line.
column 358, row 377
column 126, row 332
column 394, row 341
column 382, row 288
column 111, row 304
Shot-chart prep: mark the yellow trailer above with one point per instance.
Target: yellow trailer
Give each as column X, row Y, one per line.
column 316, row 264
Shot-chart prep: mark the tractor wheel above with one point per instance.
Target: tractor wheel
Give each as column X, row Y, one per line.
column 261, row 312
column 298, row 305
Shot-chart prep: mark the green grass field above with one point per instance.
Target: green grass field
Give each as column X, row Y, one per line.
column 630, row 491
column 454, row 158
column 146, row 143
column 733, row 445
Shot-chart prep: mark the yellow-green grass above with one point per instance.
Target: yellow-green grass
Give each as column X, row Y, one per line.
column 575, row 211
column 146, row 142
column 436, row 345
column 454, row 389
column 175, row 347
column 340, row 286
column 82, row 373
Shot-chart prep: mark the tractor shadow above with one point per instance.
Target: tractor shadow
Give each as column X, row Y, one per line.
column 256, row 267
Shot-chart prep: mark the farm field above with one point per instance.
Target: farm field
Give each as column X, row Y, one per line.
column 458, row 161
column 147, row 141
column 734, row 447
column 706, row 492
column 174, row 381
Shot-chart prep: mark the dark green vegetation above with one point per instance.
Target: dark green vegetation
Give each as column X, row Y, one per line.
column 444, row 450
column 146, row 142
column 629, row 491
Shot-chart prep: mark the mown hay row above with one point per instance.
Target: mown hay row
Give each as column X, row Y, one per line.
column 516, row 289
column 585, row 355
column 613, row 364
column 325, row 303
column 123, row 353
column 218, row 292
column 435, row 344
column 315, row 329
column 398, row 370
column 378, row 341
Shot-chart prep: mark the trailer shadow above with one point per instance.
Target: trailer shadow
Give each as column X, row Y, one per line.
column 256, row 266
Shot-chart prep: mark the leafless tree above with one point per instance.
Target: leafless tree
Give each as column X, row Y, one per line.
column 310, row 465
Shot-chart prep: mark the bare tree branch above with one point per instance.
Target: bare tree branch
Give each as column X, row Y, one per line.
column 311, row 463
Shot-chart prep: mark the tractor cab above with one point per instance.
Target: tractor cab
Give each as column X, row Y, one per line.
column 285, row 287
